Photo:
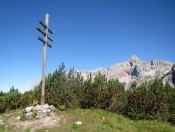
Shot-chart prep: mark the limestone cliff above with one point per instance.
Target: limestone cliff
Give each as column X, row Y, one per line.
column 136, row 70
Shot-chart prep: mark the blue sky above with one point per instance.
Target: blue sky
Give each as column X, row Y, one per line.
column 87, row 34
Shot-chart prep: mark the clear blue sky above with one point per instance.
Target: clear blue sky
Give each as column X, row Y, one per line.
column 87, row 34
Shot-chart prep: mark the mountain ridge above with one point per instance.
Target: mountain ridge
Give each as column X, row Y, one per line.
column 136, row 70
column 131, row 70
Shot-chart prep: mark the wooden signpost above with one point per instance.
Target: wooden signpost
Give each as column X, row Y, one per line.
column 45, row 44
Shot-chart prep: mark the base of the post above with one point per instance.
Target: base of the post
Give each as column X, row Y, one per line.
column 42, row 100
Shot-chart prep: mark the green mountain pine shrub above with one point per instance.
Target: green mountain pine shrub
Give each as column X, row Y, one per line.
column 153, row 101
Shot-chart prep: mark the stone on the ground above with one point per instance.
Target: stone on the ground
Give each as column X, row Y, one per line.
column 28, row 109
column 18, row 118
column 28, row 114
column 78, row 123
column 38, row 107
column 1, row 122
column 46, row 106
column 52, row 108
column 41, row 114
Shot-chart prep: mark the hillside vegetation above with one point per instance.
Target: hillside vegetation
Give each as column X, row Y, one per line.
column 150, row 100
column 93, row 120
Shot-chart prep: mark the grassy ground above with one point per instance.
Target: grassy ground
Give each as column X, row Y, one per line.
column 96, row 121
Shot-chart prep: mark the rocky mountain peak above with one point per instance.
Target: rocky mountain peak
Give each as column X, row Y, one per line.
column 134, row 60
column 136, row 70
column 134, row 57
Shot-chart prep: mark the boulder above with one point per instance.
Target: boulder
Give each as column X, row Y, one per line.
column 41, row 114
column 38, row 108
column 28, row 115
column 18, row 118
column 52, row 108
column 28, row 109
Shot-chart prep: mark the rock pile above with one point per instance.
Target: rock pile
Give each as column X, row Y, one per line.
column 39, row 111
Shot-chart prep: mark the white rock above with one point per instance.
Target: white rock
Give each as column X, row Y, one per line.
column 29, row 114
column 1, row 122
column 28, row 109
column 41, row 114
column 18, row 118
column 46, row 106
column 78, row 123
column 38, row 107
column 48, row 110
column 52, row 108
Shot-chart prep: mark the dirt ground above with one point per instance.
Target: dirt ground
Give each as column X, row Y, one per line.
column 33, row 124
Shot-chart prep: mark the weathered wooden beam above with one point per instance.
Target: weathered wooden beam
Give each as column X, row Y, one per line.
column 45, row 26
column 50, row 31
column 50, row 38
column 45, row 42
column 41, row 31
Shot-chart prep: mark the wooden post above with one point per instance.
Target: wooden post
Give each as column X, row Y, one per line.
column 44, row 61
column 46, row 37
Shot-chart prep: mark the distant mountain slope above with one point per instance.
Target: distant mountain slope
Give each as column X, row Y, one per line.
column 136, row 70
